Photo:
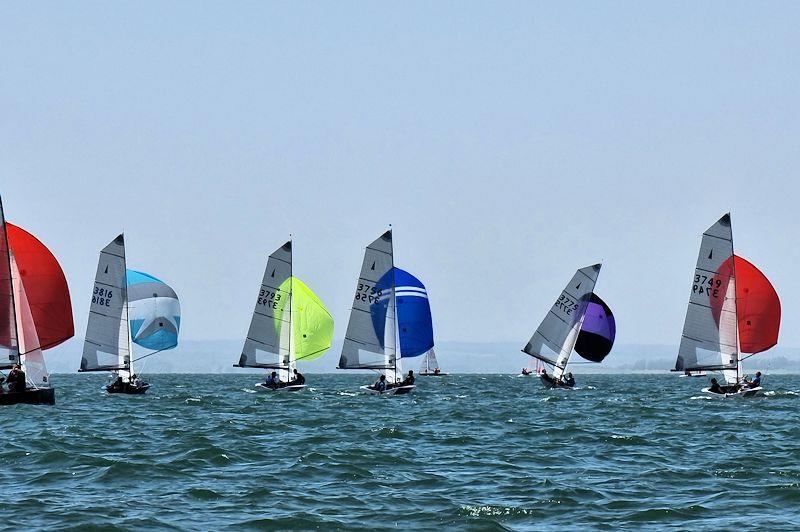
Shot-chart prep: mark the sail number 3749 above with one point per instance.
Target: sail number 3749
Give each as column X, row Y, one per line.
column 706, row 285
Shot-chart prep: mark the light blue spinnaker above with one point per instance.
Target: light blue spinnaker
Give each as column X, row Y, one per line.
column 154, row 312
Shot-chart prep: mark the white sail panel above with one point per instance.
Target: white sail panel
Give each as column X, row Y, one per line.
column 268, row 340
column 30, row 349
column 429, row 363
column 556, row 336
column 370, row 340
column 709, row 339
column 107, row 336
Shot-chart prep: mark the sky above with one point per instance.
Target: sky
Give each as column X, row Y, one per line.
column 507, row 143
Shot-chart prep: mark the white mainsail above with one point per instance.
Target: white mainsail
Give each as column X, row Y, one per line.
column 429, row 363
column 107, row 346
column 31, row 357
column 555, row 338
column 269, row 338
column 710, row 339
column 371, row 338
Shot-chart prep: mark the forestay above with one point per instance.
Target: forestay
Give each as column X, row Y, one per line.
column 370, row 338
column 107, row 344
column 269, row 336
column 709, row 340
column 556, row 336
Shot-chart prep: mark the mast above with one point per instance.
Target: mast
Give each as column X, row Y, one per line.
column 129, row 364
column 13, row 334
column 291, row 304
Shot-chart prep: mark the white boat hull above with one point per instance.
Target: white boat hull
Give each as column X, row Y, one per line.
column 432, row 374
column 744, row 392
column 700, row 374
column 261, row 387
column 399, row 390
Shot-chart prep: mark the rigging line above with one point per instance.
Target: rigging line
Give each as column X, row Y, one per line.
column 148, row 354
column 748, row 356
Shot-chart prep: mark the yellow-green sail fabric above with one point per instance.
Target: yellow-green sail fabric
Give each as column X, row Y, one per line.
column 312, row 324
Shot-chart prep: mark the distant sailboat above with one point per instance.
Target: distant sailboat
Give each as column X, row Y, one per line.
column 128, row 307
column 290, row 323
column 578, row 320
column 35, row 313
column 733, row 310
column 430, row 366
column 390, row 319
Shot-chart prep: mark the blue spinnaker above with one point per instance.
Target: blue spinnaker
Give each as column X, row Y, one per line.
column 415, row 326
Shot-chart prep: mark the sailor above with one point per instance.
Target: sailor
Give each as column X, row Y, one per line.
column 756, row 382
column 298, row 378
column 436, row 371
column 715, row 387
column 16, row 379
column 118, row 384
column 272, row 380
column 409, row 380
column 570, row 381
column 380, row 385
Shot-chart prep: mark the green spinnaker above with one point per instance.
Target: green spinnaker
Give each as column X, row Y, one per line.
column 311, row 321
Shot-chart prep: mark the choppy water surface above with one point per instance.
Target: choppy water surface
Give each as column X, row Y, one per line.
column 481, row 452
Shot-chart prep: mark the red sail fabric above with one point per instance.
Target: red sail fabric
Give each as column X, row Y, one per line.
column 758, row 308
column 45, row 286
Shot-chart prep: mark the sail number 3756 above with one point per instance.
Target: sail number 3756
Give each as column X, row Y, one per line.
column 367, row 293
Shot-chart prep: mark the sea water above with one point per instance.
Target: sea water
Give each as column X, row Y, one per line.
column 206, row 452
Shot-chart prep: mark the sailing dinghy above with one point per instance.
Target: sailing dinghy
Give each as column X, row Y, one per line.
column 430, row 366
column 289, row 324
column 128, row 307
column 35, row 314
column 390, row 320
column 578, row 320
column 733, row 311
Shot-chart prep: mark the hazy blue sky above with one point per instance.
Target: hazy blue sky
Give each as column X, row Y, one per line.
column 508, row 144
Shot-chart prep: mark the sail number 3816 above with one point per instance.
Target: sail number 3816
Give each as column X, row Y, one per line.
column 102, row 296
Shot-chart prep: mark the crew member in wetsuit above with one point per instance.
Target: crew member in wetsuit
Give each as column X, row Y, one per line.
column 272, row 380
column 570, row 380
column 16, row 379
column 380, row 386
column 118, row 384
column 755, row 383
column 298, row 378
column 409, row 380
column 715, row 387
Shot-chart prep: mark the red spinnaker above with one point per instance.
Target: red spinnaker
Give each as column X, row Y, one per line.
column 45, row 286
column 758, row 308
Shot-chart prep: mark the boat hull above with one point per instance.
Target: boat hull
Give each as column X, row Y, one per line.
column 431, row 374
column 129, row 389
column 744, row 392
column 550, row 383
column 40, row 396
column 261, row 387
column 399, row 390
